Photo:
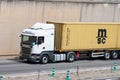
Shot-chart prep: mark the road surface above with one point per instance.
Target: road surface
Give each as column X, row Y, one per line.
column 117, row 78
column 17, row 66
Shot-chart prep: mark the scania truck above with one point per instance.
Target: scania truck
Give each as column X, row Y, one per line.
column 67, row 41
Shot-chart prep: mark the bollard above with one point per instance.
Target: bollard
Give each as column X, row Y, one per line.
column 53, row 72
column 1, row 77
column 77, row 70
column 115, row 67
column 68, row 75
column 38, row 74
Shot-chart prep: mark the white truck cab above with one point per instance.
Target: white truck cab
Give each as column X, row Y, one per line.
column 35, row 40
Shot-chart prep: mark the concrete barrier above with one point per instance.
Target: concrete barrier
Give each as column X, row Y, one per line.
column 15, row 15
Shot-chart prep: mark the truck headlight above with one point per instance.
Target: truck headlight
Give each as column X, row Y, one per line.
column 34, row 56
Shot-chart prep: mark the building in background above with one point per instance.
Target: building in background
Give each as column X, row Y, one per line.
column 15, row 15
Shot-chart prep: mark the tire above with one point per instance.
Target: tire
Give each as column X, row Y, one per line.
column 44, row 59
column 107, row 55
column 114, row 55
column 119, row 54
column 71, row 57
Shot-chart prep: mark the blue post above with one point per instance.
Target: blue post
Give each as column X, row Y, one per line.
column 68, row 75
column 53, row 72
column 115, row 67
column 1, row 77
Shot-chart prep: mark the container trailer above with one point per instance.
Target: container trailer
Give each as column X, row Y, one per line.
column 67, row 41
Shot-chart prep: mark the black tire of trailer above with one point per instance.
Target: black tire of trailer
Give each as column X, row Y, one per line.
column 71, row 56
column 119, row 54
column 44, row 59
column 114, row 54
column 107, row 55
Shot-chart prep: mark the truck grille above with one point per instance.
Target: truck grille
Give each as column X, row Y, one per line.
column 26, row 50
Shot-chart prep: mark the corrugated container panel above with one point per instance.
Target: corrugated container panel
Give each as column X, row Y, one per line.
column 86, row 36
column 58, row 36
column 118, row 37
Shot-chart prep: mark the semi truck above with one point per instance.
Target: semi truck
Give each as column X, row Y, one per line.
column 67, row 41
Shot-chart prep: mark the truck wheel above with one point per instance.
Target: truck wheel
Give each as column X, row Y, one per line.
column 71, row 57
column 119, row 54
column 114, row 55
column 44, row 59
column 107, row 55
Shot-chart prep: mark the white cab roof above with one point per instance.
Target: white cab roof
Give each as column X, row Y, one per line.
column 42, row 26
column 38, row 29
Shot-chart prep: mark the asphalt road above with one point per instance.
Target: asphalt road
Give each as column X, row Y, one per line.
column 17, row 66
column 117, row 78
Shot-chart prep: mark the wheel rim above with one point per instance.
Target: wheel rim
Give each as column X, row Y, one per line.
column 107, row 55
column 44, row 59
column 115, row 55
column 71, row 57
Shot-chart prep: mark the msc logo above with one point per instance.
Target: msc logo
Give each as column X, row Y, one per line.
column 102, row 35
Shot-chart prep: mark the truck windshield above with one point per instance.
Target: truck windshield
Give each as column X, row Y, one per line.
column 28, row 39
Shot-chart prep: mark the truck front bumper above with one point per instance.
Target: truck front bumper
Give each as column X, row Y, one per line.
column 30, row 58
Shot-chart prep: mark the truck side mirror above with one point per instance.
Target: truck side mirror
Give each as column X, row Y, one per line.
column 33, row 43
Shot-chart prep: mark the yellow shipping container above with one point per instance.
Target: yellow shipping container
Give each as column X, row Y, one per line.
column 86, row 36
column 118, row 42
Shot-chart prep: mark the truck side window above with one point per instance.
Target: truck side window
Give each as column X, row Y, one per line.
column 40, row 40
